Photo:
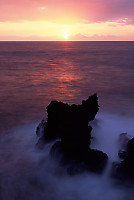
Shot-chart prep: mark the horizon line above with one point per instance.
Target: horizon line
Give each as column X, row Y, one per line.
column 66, row 40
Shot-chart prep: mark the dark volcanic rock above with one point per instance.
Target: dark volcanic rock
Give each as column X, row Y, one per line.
column 70, row 125
column 40, row 134
column 125, row 168
column 68, row 122
column 91, row 159
column 123, row 140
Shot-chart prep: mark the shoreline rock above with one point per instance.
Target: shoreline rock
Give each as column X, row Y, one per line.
column 124, row 170
column 69, row 124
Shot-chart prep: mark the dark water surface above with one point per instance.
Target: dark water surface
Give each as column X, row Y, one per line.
column 34, row 73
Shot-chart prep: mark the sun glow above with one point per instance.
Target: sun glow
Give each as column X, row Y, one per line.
column 66, row 36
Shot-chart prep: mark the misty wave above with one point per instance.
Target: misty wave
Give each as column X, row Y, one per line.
column 29, row 173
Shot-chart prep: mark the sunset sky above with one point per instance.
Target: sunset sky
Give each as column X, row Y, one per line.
column 67, row 20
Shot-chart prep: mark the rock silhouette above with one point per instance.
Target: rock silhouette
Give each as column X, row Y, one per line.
column 123, row 140
column 125, row 168
column 69, row 124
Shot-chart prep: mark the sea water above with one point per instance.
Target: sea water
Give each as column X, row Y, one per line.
column 34, row 73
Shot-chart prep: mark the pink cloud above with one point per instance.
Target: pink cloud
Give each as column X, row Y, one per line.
column 88, row 10
column 80, row 37
column 77, row 37
column 29, row 38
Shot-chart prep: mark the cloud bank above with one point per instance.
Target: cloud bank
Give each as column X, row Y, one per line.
column 71, row 11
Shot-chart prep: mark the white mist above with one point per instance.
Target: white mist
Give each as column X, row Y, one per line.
column 27, row 173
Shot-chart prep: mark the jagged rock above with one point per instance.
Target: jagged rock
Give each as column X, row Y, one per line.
column 40, row 134
column 40, row 128
column 125, row 168
column 91, row 159
column 69, row 124
column 123, row 141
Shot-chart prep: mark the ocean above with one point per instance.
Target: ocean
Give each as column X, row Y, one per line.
column 34, row 73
